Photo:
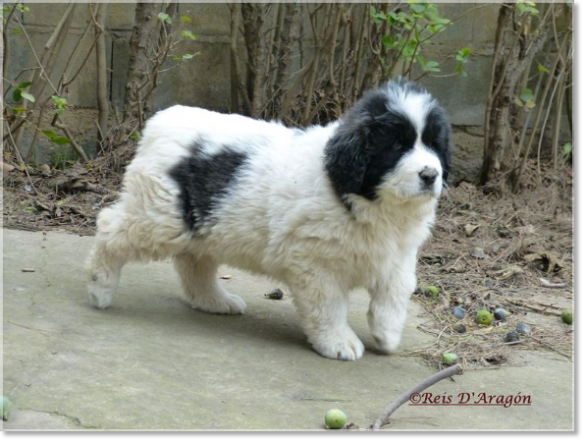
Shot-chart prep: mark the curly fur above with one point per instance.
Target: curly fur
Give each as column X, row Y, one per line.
column 324, row 210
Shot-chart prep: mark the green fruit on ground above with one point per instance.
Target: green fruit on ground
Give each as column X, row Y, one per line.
column 484, row 317
column 450, row 358
column 432, row 290
column 335, row 419
column 5, row 407
column 567, row 316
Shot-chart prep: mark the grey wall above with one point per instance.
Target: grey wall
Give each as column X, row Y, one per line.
column 205, row 80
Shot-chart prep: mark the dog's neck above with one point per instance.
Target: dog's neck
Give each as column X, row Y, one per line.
column 391, row 211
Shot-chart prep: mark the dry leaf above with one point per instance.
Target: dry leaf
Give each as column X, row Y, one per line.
column 45, row 169
column 507, row 273
column 7, row 167
column 478, row 253
column 550, row 261
column 226, row 277
column 471, row 228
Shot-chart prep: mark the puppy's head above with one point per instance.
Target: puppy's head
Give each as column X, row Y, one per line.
column 395, row 142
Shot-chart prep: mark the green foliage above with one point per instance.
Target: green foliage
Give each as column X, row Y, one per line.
column 567, row 150
column 526, row 99
column 18, row 93
column 462, row 58
column 409, row 32
column 165, row 18
column 56, row 138
column 61, row 103
column 22, row 8
column 186, row 19
column 136, row 136
column 525, row 6
column 187, row 34
column 542, row 69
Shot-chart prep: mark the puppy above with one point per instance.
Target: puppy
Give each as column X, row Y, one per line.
column 325, row 210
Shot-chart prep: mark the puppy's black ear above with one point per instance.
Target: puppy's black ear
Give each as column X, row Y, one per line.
column 346, row 159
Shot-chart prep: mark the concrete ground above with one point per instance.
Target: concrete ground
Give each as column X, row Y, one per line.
column 151, row 362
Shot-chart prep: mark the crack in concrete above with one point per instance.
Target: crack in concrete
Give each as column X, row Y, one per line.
column 74, row 420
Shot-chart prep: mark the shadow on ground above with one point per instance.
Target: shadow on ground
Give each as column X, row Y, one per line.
column 150, row 362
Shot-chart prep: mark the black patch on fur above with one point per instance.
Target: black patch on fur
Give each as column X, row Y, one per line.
column 437, row 136
column 203, row 179
column 373, row 137
column 368, row 145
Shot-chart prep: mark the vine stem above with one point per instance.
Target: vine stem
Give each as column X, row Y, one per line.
column 405, row 397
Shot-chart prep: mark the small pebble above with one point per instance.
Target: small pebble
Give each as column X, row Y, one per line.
column 500, row 314
column 274, row 294
column 461, row 328
column 459, row 312
column 513, row 336
column 523, row 328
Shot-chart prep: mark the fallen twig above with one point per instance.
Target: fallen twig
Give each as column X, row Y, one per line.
column 443, row 374
column 542, row 310
column 552, row 285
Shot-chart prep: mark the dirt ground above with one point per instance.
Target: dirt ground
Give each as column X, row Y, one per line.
column 490, row 249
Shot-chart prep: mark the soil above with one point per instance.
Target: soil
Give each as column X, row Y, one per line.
column 490, row 249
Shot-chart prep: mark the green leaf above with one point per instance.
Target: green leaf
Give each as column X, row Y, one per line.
column 49, row 133
column 30, row 209
column 6, row 9
column 28, row 97
column 530, row 104
column 61, row 141
column 542, row 69
column 60, row 111
column 567, row 149
column 187, row 34
column 136, row 136
column 188, row 57
column 17, row 95
column 518, row 102
column 373, row 11
column 16, row 31
column 186, row 19
column 24, row 85
column 22, row 8
column 18, row 110
column 177, row 59
column 526, row 95
column 388, row 41
column 165, row 18
column 464, row 52
column 59, row 101
column 418, row 8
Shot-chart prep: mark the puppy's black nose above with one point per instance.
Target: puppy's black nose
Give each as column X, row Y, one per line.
column 428, row 176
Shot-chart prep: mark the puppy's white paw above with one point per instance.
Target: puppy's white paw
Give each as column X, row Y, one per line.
column 387, row 343
column 227, row 304
column 99, row 296
column 339, row 344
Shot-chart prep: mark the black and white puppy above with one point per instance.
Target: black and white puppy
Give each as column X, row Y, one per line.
column 324, row 210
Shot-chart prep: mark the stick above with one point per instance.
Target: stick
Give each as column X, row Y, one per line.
column 446, row 373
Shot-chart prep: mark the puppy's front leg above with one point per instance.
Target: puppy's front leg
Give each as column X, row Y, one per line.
column 388, row 307
column 322, row 306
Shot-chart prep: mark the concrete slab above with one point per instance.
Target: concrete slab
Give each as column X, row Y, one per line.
column 150, row 362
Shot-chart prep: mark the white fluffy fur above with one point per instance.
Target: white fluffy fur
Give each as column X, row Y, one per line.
column 281, row 219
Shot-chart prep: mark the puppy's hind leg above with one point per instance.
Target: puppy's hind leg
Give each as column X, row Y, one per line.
column 202, row 288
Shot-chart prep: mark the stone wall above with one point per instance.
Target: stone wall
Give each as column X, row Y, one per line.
column 205, row 80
